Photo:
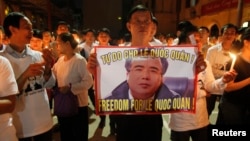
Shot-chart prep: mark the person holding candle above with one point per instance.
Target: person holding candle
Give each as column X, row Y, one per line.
column 234, row 105
column 47, row 38
column 219, row 58
column 31, row 116
column 233, row 60
column 184, row 125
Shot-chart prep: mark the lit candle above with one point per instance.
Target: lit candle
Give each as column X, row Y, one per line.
column 78, row 40
column 233, row 60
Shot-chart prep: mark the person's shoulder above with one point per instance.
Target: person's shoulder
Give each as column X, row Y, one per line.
column 215, row 47
column 3, row 59
column 4, row 63
column 155, row 42
column 37, row 55
column 165, row 92
column 60, row 59
column 3, row 49
column 53, row 43
column 79, row 58
column 119, row 92
column 83, row 44
column 32, row 52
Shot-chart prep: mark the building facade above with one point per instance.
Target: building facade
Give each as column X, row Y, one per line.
column 42, row 13
column 215, row 12
column 112, row 13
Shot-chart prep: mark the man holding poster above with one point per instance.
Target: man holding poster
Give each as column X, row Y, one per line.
column 135, row 127
column 144, row 126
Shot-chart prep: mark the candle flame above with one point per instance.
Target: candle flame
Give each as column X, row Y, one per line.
column 233, row 60
column 77, row 40
column 232, row 56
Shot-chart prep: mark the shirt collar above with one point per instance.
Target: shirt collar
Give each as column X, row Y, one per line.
column 24, row 53
column 131, row 96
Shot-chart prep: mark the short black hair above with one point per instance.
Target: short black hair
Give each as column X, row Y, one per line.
column 229, row 25
column 68, row 37
column 155, row 21
column 183, row 24
column 241, row 30
column 205, row 28
column 74, row 31
column 104, row 29
column 12, row 19
column 186, row 32
column 62, row 23
column 37, row 34
column 246, row 34
column 170, row 35
column 85, row 31
column 136, row 8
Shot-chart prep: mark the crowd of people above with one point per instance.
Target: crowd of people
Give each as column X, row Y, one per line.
column 33, row 62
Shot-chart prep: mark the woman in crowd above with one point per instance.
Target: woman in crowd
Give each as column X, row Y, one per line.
column 71, row 75
column 236, row 97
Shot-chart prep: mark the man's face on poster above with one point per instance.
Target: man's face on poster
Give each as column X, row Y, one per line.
column 144, row 77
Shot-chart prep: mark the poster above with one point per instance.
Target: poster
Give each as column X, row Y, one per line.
column 145, row 80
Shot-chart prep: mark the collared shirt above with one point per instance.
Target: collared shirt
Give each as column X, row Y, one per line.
column 16, row 54
column 145, row 104
column 29, row 102
column 86, row 48
column 36, row 57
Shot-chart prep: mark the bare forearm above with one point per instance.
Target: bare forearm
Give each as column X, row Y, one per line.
column 238, row 85
column 7, row 104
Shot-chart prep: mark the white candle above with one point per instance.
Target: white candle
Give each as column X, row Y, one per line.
column 233, row 60
column 192, row 39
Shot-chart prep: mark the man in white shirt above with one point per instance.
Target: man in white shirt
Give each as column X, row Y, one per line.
column 8, row 90
column 31, row 117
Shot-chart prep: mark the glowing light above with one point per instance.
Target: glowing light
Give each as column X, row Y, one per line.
column 233, row 60
column 78, row 40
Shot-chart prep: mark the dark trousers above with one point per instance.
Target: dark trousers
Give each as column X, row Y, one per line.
column 232, row 114
column 200, row 134
column 112, row 123
column 211, row 100
column 91, row 93
column 139, row 127
column 47, row 136
column 75, row 128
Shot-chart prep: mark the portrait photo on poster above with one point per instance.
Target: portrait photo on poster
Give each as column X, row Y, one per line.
column 154, row 80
